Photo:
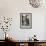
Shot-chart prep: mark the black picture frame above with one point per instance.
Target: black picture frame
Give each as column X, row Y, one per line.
column 26, row 20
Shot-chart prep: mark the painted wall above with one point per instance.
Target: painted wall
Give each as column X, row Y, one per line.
column 13, row 8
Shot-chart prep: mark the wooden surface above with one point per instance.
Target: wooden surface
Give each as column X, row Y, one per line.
column 26, row 41
column 25, row 44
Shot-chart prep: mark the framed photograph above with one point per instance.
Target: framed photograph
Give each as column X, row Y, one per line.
column 26, row 20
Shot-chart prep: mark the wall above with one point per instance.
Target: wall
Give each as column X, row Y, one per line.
column 13, row 8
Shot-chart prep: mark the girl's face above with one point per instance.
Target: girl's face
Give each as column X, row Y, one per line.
column 24, row 18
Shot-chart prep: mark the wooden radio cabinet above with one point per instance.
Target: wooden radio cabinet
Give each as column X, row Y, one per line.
column 23, row 43
column 31, row 43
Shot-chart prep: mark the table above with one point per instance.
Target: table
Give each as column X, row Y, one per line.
column 27, row 42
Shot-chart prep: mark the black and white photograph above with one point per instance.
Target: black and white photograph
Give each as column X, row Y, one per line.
column 26, row 20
